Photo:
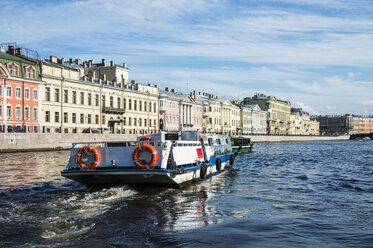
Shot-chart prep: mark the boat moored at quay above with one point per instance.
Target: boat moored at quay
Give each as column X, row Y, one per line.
column 166, row 159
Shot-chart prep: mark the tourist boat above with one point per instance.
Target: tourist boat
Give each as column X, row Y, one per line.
column 241, row 144
column 171, row 159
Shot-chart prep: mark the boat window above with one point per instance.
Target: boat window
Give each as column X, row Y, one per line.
column 226, row 141
column 210, row 141
column 217, row 141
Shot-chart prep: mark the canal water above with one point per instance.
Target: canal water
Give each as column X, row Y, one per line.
column 295, row 194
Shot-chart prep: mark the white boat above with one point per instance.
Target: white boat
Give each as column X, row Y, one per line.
column 171, row 159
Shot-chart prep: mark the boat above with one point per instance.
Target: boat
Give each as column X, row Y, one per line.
column 166, row 159
column 241, row 144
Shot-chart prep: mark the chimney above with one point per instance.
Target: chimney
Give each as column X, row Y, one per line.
column 62, row 60
column 150, row 85
column 11, row 50
column 124, row 65
column 19, row 51
column 167, row 89
column 173, row 90
column 71, row 60
column 77, row 61
column 53, row 59
column 90, row 63
column 111, row 63
column 104, row 77
column 85, row 64
column 93, row 74
column 103, row 62
column 133, row 81
column 156, row 86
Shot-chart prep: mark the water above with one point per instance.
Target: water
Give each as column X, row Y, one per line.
column 311, row 194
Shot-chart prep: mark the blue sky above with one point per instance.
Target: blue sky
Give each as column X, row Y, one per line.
column 318, row 54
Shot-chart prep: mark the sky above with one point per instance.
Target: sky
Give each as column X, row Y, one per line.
column 316, row 53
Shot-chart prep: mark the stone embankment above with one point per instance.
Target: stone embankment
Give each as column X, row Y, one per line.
column 16, row 142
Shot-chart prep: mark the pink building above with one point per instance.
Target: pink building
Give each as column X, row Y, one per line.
column 179, row 111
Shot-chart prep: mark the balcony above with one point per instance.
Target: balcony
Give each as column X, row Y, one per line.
column 113, row 110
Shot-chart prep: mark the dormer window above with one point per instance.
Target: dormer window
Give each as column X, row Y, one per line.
column 30, row 72
column 13, row 69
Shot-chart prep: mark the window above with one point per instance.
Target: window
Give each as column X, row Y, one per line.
column 33, row 73
column 1, row 110
column 47, row 116
column 74, row 118
column 15, row 70
column 134, row 121
column 129, row 121
column 18, row 92
column 27, row 93
column 96, row 100
column 35, row 129
column 140, row 122
column 27, row 113
column 140, row 105
column 18, row 112
column 150, row 107
column 124, row 121
column 74, row 97
column 111, row 101
column 35, row 94
column 56, row 117
column 47, row 94
column 145, row 106
column 103, row 120
column 155, row 107
column 30, row 72
column 65, row 96
column 118, row 102
column 103, row 101
column 9, row 112
column 145, row 122
column 82, row 98
column 96, row 119
column 89, row 99
column 65, row 117
column 10, row 69
column 35, row 114
column 57, row 95
column 124, row 103
column 1, row 89
column 9, row 91
column 155, row 122
column 89, row 118
column 135, row 104
column 81, row 118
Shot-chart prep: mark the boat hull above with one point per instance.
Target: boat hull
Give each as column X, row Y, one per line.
column 177, row 178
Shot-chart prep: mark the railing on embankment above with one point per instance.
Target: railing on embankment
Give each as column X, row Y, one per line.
column 16, row 142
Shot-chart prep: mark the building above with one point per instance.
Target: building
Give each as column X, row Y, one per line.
column 98, row 96
column 343, row 125
column 19, row 91
column 221, row 115
column 314, row 127
column 179, row 111
column 278, row 112
column 253, row 119
column 300, row 121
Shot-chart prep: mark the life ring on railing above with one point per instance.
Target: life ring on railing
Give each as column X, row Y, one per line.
column 145, row 138
column 88, row 154
column 142, row 164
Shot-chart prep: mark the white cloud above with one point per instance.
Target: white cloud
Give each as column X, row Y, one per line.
column 307, row 108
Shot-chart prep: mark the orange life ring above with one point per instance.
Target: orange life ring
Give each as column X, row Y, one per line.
column 142, row 164
column 145, row 138
column 81, row 163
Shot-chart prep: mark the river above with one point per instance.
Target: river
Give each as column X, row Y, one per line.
column 291, row 194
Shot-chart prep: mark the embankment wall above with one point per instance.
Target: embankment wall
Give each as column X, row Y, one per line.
column 15, row 142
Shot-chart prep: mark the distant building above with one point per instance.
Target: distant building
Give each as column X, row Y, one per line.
column 300, row 122
column 278, row 112
column 19, row 91
column 253, row 119
column 314, row 127
column 347, row 124
column 178, row 111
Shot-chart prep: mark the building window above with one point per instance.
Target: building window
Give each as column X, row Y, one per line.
column 140, row 122
column 124, row 121
column 74, row 97
column 103, row 120
column 118, row 102
column 65, row 117
column 135, row 122
column 27, row 94
column 35, row 129
column 124, row 103
column 35, row 114
column 9, row 91
column 103, row 101
column 145, row 106
column 1, row 90
column 111, row 101
column 140, row 105
column 65, row 96
column 145, row 122
column 89, row 99
column 96, row 100
column 47, row 94
column 74, row 118
column 27, row 113
column 35, row 94
column 18, row 112
column 155, row 107
column 18, row 92
column 1, row 110
column 13, row 69
column 96, row 119
column 150, row 107
column 9, row 112
column 135, row 105
column 56, row 117
column 10, row 69
column 56, row 95
column 81, row 118
column 47, row 116
column 130, row 104
column 30, row 72
column 82, row 98
column 89, row 118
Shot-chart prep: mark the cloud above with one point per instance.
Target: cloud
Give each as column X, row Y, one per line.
column 307, row 108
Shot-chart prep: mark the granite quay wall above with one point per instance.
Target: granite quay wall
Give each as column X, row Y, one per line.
column 16, row 142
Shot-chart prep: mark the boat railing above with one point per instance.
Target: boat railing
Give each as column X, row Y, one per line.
column 115, row 144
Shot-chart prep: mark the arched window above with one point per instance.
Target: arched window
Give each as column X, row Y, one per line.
column 35, row 114
column 27, row 93
column 27, row 113
column 18, row 112
column 9, row 111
